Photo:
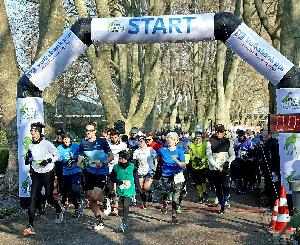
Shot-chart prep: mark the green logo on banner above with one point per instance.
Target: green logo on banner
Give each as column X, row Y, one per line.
column 290, row 102
column 290, row 144
column 115, row 26
column 26, row 185
column 26, row 142
column 27, row 112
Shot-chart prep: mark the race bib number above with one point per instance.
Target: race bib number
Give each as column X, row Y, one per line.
column 93, row 163
column 179, row 178
column 221, row 157
column 126, row 185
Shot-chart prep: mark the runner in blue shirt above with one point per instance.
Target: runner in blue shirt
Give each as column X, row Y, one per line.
column 171, row 163
column 71, row 173
column 96, row 154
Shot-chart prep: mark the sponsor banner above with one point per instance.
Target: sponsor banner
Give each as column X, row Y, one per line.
column 288, row 101
column 289, row 151
column 259, row 53
column 153, row 29
column 56, row 60
column 29, row 110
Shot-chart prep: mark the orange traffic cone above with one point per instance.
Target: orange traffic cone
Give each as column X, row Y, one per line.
column 283, row 217
column 274, row 215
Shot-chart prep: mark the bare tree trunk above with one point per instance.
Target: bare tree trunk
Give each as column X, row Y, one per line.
column 51, row 26
column 9, row 75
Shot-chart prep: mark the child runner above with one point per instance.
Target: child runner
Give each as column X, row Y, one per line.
column 122, row 176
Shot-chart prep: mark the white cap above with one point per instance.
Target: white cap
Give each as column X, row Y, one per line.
column 140, row 133
column 198, row 128
column 173, row 135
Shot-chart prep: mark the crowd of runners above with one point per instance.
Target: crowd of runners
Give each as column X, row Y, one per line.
column 108, row 168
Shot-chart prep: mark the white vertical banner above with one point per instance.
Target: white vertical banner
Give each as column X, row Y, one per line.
column 29, row 110
column 288, row 101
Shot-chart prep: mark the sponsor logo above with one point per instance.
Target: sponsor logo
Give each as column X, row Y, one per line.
column 27, row 112
column 25, row 185
column 290, row 102
column 26, row 142
column 290, row 144
column 115, row 26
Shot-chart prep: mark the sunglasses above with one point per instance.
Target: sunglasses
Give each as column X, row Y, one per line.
column 147, row 139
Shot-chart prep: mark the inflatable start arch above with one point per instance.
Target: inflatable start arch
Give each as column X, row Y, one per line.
column 146, row 29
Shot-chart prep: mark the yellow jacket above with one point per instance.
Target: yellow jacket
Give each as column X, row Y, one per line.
column 198, row 155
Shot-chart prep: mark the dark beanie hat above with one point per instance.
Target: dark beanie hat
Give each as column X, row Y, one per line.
column 37, row 126
column 124, row 154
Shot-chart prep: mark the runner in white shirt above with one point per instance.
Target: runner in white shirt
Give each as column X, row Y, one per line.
column 116, row 146
column 144, row 158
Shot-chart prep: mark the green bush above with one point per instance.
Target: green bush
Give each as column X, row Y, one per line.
column 3, row 159
column 3, row 138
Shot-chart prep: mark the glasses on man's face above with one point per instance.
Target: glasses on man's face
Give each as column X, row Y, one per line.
column 147, row 140
column 220, row 132
column 33, row 130
column 89, row 130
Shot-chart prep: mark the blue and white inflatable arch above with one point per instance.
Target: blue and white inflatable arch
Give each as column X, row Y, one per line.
column 146, row 29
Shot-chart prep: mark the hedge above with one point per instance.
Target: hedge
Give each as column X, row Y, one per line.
column 3, row 159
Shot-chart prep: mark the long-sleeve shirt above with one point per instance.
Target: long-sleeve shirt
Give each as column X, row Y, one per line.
column 67, row 153
column 42, row 151
column 219, row 151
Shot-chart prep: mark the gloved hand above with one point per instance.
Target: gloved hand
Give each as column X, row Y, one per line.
column 226, row 165
column 71, row 162
column 45, row 162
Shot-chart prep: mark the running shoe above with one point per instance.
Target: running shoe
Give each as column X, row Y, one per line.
column 179, row 210
column 122, row 228
column 227, row 205
column 154, row 198
column 174, row 219
column 143, row 205
column 205, row 197
column 107, row 211
column 222, row 210
column 133, row 202
column 98, row 225
column 81, row 207
column 114, row 212
column 216, row 201
column 201, row 200
column 29, row 231
column 76, row 213
column 170, row 196
column 66, row 206
column 164, row 210
column 59, row 217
